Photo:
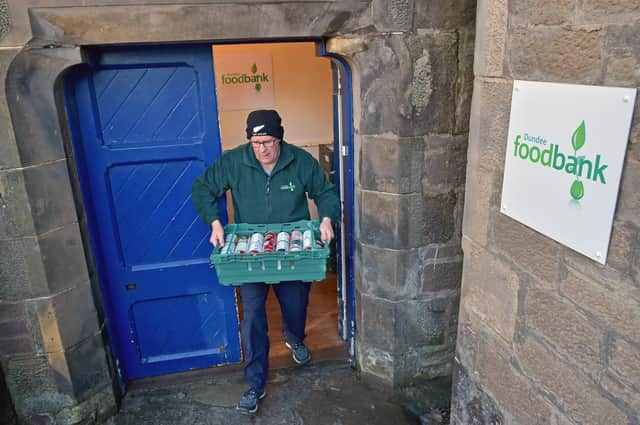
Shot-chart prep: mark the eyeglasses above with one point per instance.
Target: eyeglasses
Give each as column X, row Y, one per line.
column 266, row 143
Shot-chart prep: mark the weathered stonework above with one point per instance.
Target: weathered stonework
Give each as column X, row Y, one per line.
column 412, row 75
column 555, row 328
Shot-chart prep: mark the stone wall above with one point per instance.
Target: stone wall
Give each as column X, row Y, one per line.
column 412, row 75
column 547, row 336
column 412, row 135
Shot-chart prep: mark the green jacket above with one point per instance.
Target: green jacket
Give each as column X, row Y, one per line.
column 260, row 198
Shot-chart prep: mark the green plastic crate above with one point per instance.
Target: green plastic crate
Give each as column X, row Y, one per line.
column 271, row 267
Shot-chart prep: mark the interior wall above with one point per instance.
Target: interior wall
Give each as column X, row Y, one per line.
column 302, row 94
column 546, row 335
column 303, row 98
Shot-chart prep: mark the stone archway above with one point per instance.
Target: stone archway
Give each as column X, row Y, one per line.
column 412, row 83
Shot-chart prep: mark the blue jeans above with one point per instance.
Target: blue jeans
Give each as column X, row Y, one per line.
column 294, row 299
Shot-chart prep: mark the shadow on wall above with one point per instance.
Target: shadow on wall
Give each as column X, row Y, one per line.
column 7, row 415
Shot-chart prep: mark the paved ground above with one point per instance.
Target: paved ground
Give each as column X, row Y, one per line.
column 326, row 393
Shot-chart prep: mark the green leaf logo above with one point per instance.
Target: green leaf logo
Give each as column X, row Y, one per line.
column 258, row 87
column 579, row 136
column 577, row 190
column 254, row 69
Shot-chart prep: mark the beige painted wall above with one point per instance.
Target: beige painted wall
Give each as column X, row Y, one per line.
column 303, row 96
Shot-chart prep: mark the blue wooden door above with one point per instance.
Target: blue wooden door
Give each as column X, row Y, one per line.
column 144, row 126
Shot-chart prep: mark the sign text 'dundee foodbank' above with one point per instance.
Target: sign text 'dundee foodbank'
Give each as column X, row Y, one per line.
column 563, row 161
column 538, row 150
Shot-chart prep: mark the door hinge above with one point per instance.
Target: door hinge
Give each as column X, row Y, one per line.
column 344, row 150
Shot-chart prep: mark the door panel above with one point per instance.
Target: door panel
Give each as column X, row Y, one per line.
column 147, row 127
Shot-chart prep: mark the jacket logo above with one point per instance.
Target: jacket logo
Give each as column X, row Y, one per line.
column 289, row 186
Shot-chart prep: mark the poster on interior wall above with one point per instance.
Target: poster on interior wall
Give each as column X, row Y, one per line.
column 564, row 158
column 243, row 80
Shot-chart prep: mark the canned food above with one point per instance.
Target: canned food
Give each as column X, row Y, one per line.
column 242, row 245
column 295, row 241
column 230, row 244
column 307, row 240
column 269, row 243
column 282, row 244
column 255, row 245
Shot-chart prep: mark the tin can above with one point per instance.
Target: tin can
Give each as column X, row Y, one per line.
column 255, row 245
column 307, row 240
column 269, row 243
column 295, row 241
column 230, row 244
column 282, row 244
column 242, row 245
column 319, row 244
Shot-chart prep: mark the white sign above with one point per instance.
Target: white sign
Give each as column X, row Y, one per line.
column 243, row 80
column 564, row 159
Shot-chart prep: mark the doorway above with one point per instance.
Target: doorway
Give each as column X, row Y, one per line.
column 144, row 122
column 293, row 79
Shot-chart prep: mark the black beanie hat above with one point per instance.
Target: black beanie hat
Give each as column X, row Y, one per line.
column 264, row 122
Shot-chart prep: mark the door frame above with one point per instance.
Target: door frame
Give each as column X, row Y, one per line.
column 77, row 171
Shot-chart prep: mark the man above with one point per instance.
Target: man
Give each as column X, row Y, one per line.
column 269, row 180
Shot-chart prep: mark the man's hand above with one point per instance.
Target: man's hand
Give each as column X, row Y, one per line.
column 217, row 234
column 326, row 230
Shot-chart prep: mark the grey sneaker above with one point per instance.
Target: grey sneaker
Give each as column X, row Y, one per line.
column 248, row 404
column 300, row 353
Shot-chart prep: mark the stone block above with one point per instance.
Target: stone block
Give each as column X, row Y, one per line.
column 490, row 291
column 390, row 274
column 422, row 323
column 392, row 221
column 539, row 255
column 610, row 11
column 50, row 196
column 622, row 246
column 445, row 168
column 438, row 275
column 512, row 391
column 15, row 217
column 439, row 217
column 464, row 84
column 615, row 306
column 622, row 69
column 31, row 79
column 22, row 273
column 625, row 362
column 395, row 15
column 391, row 164
column 470, row 404
column 629, row 199
column 480, row 201
column 217, row 20
column 379, row 323
column 20, row 31
column 489, row 125
column 15, row 336
column 492, row 21
column 376, row 362
column 8, row 150
column 541, row 12
column 99, row 407
column 444, row 15
column 577, row 395
column 38, row 385
column 64, row 258
column 556, row 54
column 560, row 324
column 407, row 84
column 88, row 367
